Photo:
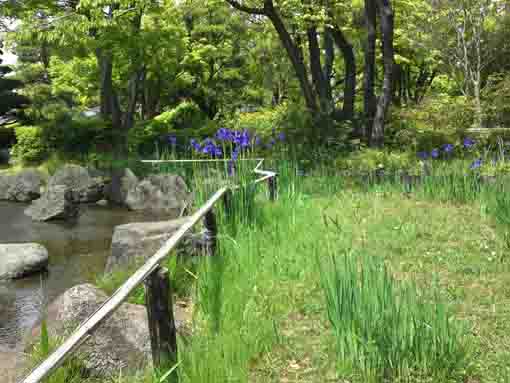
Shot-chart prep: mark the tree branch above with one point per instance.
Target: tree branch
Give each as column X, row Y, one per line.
column 244, row 8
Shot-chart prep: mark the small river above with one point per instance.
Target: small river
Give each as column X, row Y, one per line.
column 77, row 254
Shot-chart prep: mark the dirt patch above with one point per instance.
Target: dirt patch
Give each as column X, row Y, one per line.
column 11, row 366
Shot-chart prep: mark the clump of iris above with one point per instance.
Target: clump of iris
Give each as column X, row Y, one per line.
column 236, row 142
column 468, row 143
column 447, row 148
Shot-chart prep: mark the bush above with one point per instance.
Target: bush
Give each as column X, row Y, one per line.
column 438, row 120
column 185, row 120
column 78, row 135
column 368, row 160
column 30, row 144
column 262, row 121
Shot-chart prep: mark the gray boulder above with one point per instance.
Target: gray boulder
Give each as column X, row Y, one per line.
column 122, row 181
column 56, row 203
column 22, row 259
column 163, row 194
column 24, row 186
column 85, row 189
column 5, row 184
column 121, row 342
column 133, row 243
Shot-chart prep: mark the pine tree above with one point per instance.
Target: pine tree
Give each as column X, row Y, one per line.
column 9, row 99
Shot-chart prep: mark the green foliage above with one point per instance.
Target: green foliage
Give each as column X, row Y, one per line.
column 78, row 135
column 30, row 144
column 369, row 160
column 261, row 122
column 185, row 120
column 9, row 99
column 385, row 328
column 75, row 80
column 497, row 101
column 186, row 115
column 438, row 120
column 44, row 341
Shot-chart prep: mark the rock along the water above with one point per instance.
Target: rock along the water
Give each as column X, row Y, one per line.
column 21, row 259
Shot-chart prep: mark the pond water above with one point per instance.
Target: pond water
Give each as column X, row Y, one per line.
column 77, row 254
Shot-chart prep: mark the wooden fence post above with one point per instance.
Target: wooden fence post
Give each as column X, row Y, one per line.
column 211, row 232
column 273, row 188
column 158, row 297
column 227, row 202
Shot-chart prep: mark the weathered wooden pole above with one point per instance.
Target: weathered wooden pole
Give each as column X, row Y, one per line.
column 273, row 188
column 158, row 298
column 227, row 202
column 211, row 233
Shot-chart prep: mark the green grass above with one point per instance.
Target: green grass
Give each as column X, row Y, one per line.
column 336, row 282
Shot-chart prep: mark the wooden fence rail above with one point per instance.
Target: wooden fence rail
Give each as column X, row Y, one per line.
column 153, row 275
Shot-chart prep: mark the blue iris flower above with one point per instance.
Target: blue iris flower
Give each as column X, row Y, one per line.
column 476, row 164
column 468, row 143
column 257, row 141
column 235, row 154
column 171, row 139
column 195, row 145
column 423, row 155
column 218, row 152
column 447, row 148
column 211, row 149
column 434, row 153
column 281, row 136
column 244, row 139
column 224, row 134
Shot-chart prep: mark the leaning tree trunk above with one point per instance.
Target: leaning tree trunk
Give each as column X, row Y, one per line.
column 384, row 101
column 295, row 57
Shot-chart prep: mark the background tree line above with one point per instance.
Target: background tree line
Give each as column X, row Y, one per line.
column 351, row 70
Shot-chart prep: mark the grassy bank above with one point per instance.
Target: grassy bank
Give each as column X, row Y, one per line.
column 337, row 282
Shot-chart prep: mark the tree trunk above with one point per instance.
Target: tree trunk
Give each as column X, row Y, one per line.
column 387, row 25
column 295, row 57
column 369, row 99
column 350, row 75
column 317, row 74
column 478, row 105
column 109, row 104
column 329, row 59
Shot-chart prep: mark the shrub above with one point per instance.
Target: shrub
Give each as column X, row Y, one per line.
column 438, row 120
column 186, row 119
column 368, row 160
column 78, row 135
column 262, row 121
column 30, row 144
